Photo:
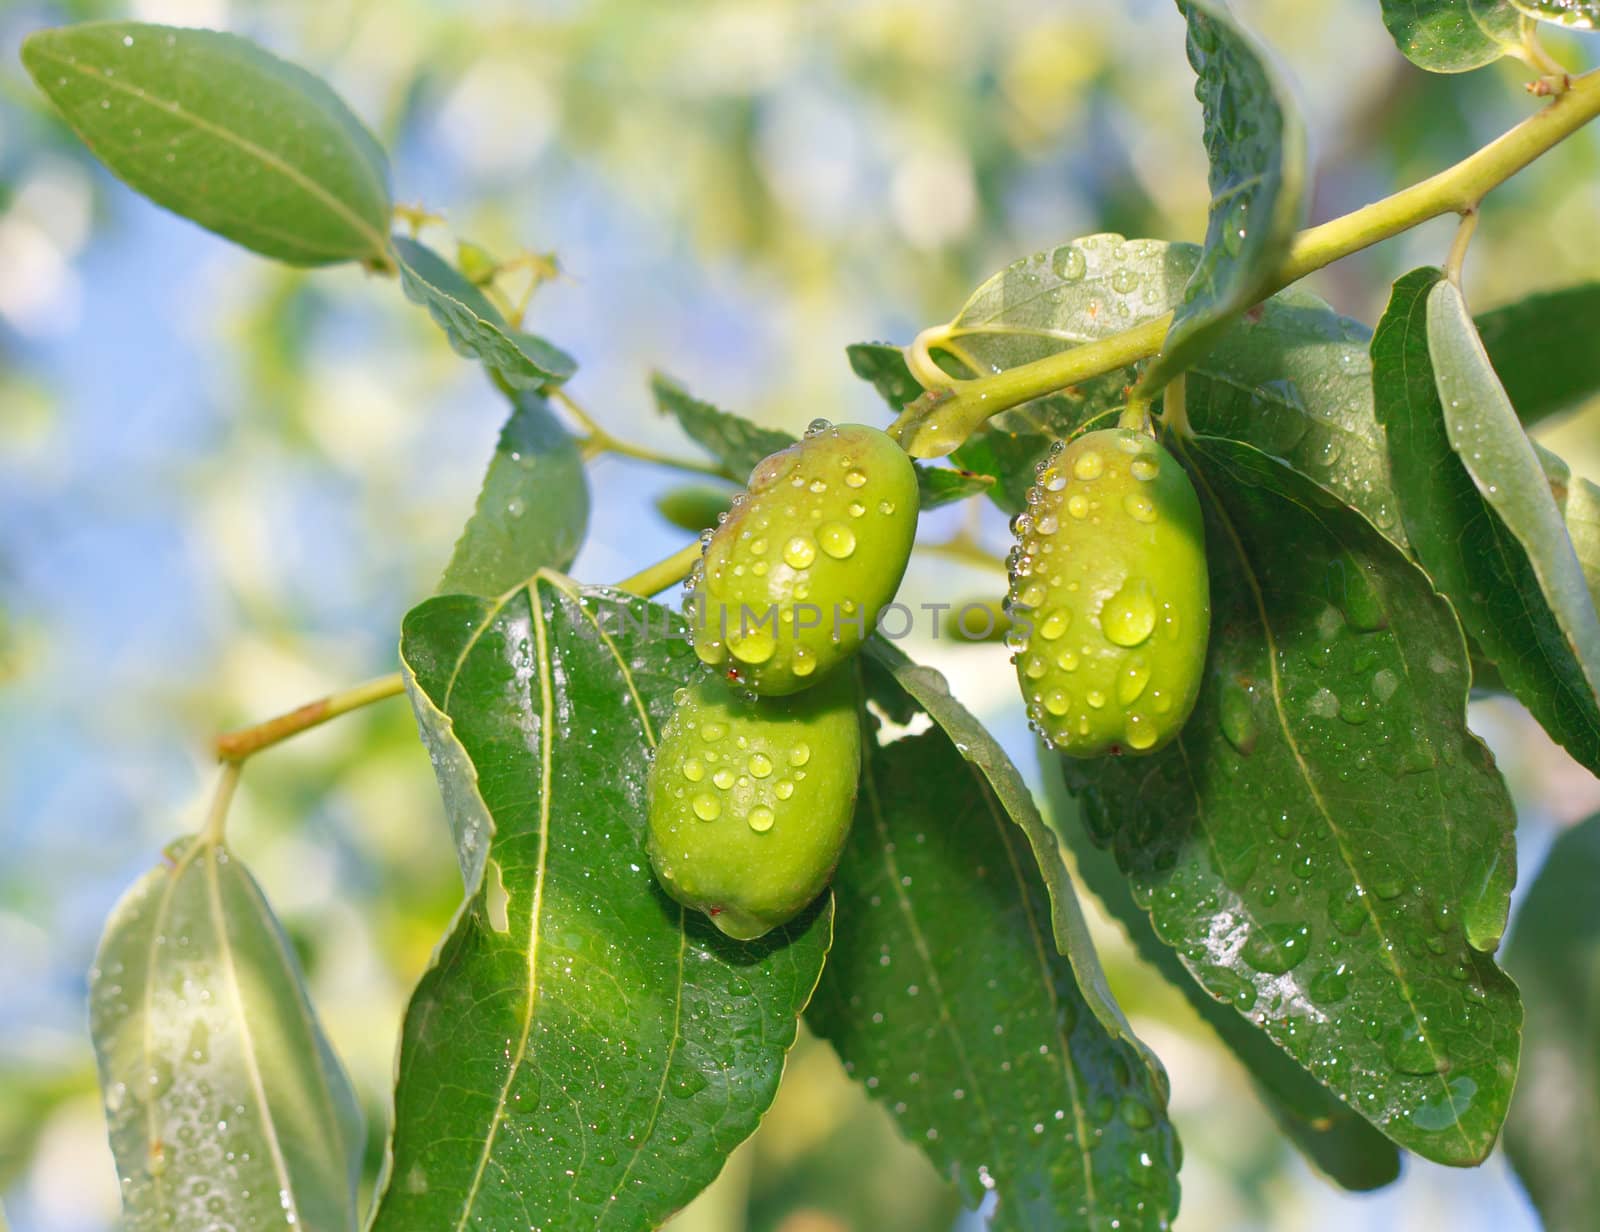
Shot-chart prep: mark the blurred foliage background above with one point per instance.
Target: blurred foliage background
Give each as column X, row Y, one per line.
column 222, row 482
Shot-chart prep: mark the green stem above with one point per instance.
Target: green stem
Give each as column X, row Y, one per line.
column 235, row 746
column 953, row 409
column 1459, row 245
column 217, row 815
column 600, row 441
column 664, row 573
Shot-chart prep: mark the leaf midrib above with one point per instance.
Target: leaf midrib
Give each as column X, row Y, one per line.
column 261, row 154
column 1387, row 949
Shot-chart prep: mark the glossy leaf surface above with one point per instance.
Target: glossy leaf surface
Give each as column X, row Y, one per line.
column 946, row 997
column 532, row 510
column 1326, row 845
column 1256, row 144
column 216, row 129
column 583, row 1052
column 1451, row 36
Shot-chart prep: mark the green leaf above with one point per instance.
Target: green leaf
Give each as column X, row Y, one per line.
column 1542, row 348
column 1451, row 36
column 225, row 1103
column 1497, row 454
column 1461, row 540
column 533, row 507
column 215, row 129
column 475, row 326
column 582, row 1049
column 883, row 366
column 1577, row 14
column 1291, row 377
column 1579, row 502
column 1346, row 1149
column 1554, row 954
column 1326, row 845
column 946, row 997
column 1256, row 143
column 927, row 690
column 737, row 445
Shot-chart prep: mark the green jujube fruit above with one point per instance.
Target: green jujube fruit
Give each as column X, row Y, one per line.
column 793, row 579
column 751, row 799
column 1109, row 596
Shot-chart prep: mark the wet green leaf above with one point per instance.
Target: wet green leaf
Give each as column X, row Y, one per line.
column 737, row 445
column 215, row 129
column 1291, row 377
column 1543, row 351
column 1577, row 14
column 1256, row 143
column 1484, row 433
column 226, row 1105
column 883, row 366
column 475, row 326
column 1336, row 1140
column 532, row 510
column 926, row 690
column 1579, row 502
column 1458, row 536
column 1554, row 954
column 1451, row 36
column 733, row 442
column 582, row 1049
column 1326, row 845
column 946, row 997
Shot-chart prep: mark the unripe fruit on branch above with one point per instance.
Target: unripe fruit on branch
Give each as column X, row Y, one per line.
column 792, row 581
column 1110, row 597
column 751, row 799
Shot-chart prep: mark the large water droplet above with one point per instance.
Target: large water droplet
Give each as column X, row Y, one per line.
column 1409, row 1051
column 837, row 539
column 761, row 819
column 1129, row 616
column 799, row 552
column 1276, row 948
column 755, row 646
column 1088, row 465
column 760, row 765
column 1131, row 683
column 707, row 807
column 1068, row 263
column 855, row 479
column 694, row 770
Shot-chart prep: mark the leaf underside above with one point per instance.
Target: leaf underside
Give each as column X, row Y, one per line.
column 1462, row 541
column 1452, row 36
column 225, row 1103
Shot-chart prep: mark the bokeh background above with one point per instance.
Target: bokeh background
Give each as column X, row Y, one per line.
column 222, row 483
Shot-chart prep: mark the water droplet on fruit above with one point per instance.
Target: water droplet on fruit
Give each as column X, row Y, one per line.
column 1078, row 505
column 711, row 731
column 756, row 646
column 760, row 765
column 1139, row 507
column 837, row 539
column 761, row 818
column 783, row 789
column 1088, row 465
column 694, row 770
column 799, row 552
column 800, row 754
column 855, row 479
column 1140, row 732
column 723, row 778
column 1129, row 616
column 1145, row 469
column 1058, row 702
column 707, row 807
column 1055, row 624
column 1131, row 683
